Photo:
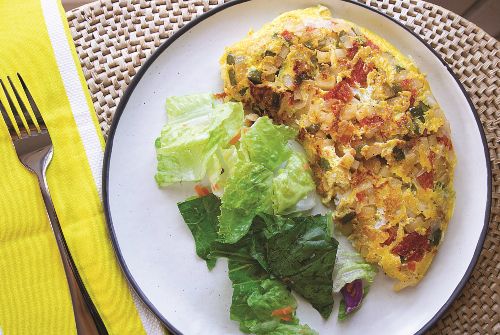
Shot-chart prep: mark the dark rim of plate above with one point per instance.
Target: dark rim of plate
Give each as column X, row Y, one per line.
column 172, row 39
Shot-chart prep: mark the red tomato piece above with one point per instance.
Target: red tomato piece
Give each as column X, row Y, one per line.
column 393, row 232
column 360, row 72
column 342, row 91
column 371, row 120
column 287, row 35
column 444, row 140
column 360, row 196
column 426, row 179
column 412, row 248
column 351, row 52
column 371, row 44
column 406, row 85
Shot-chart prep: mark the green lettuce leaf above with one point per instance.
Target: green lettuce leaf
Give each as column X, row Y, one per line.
column 349, row 267
column 221, row 166
column 266, row 143
column 287, row 329
column 261, row 305
column 196, row 128
column 185, row 107
column 248, row 192
column 201, row 217
column 292, row 183
column 301, row 252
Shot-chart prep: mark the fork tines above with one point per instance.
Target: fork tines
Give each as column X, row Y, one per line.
column 24, row 121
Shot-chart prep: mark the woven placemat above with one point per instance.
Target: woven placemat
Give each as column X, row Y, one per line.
column 114, row 37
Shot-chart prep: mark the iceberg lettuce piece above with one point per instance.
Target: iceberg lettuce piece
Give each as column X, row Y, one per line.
column 292, row 183
column 248, row 192
column 266, row 143
column 221, row 166
column 352, row 276
column 196, row 128
column 349, row 267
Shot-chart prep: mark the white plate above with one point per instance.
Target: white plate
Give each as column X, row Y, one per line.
column 156, row 248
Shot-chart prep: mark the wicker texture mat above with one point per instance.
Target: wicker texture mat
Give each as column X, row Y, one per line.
column 114, row 37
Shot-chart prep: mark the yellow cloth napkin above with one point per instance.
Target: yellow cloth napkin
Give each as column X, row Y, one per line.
column 34, row 299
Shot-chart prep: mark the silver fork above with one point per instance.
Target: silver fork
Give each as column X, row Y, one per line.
column 34, row 149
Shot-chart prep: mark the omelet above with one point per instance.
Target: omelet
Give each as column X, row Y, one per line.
column 377, row 141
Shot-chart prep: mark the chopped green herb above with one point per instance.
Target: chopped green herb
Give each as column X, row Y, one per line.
column 347, row 218
column 255, row 76
column 309, row 45
column 435, row 237
column 415, row 127
column 314, row 60
column 396, row 88
column 270, row 53
column 360, row 40
column 418, row 112
column 398, row 154
column 230, row 59
column 399, row 68
column 438, row 186
column 232, row 77
column 358, row 151
column 324, row 164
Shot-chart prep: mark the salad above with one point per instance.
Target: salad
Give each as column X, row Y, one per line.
column 253, row 205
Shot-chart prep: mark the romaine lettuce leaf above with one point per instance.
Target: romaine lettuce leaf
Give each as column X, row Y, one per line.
column 201, row 217
column 196, row 128
column 181, row 108
column 260, row 304
column 301, row 252
column 288, row 329
column 292, row 183
column 296, row 250
column 266, row 143
column 248, row 192
column 221, row 166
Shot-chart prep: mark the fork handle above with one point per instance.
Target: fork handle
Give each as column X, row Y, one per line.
column 87, row 319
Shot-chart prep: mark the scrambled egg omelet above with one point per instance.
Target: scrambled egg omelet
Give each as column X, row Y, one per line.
column 376, row 139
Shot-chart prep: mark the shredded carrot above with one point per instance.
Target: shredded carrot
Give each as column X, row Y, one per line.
column 201, row 190
column 220, row 96
column 284, row 313
column 235, row 138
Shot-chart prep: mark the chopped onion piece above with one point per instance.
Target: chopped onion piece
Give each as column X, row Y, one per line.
column 288, row 81
column 340, row 53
